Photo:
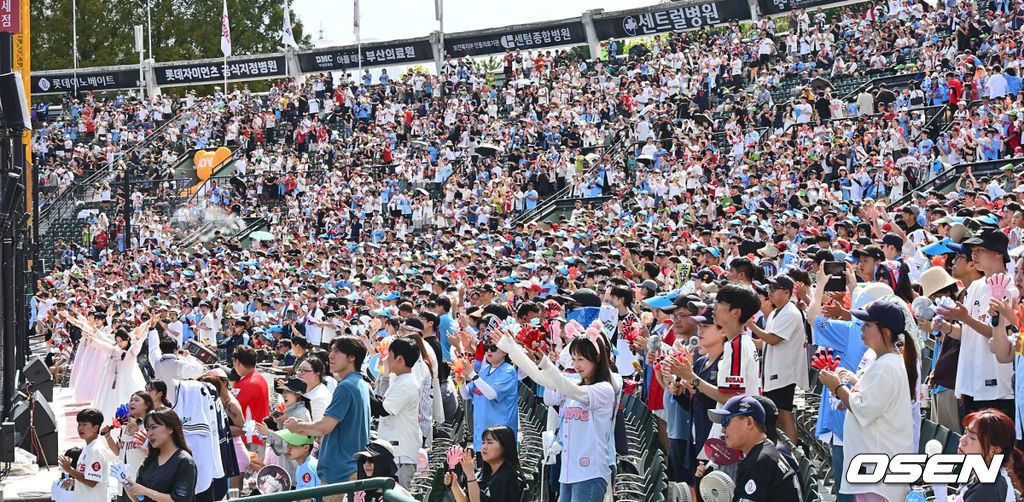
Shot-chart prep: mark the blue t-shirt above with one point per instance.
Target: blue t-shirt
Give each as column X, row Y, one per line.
column 350, row 406
column 530, row 204
column 445, row 327
column 844, row 337
column 305, row 474
column 502, row 411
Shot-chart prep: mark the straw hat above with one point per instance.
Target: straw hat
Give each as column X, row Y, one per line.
column 935, row 279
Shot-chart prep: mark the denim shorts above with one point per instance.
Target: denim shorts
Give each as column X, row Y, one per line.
column 584, row 491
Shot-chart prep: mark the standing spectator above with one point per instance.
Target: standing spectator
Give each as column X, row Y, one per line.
column 878, row 398
column 398, row 409
column 784, row 341
column 350, row 407
column 168, row 472
column 252, row 394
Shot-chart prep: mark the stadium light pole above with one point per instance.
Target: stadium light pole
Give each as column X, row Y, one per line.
column 74, row 43
column 149, row 28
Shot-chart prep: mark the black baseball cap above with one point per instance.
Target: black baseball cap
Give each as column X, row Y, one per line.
column 885, row 313
column 891, row 239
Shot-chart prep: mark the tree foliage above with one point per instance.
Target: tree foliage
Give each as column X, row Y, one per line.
column 182, row 29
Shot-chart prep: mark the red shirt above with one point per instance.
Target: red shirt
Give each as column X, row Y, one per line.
column 656, row 394
column 254, row 396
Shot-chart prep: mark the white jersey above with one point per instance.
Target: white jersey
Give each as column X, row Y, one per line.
column 738, row 373
column 979, row 374
column 584, row 432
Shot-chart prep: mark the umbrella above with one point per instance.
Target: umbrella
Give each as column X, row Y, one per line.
column 262, row 236
column 488, row 149
column 820, row 83
column 645, row 159
column 703, row 118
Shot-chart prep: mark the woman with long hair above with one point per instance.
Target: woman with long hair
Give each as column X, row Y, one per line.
column 987, row 433
column 122, row 376
column 168, row 473
column 499, row 479
column 587, row 413
column 878, row 398
column 128, row 445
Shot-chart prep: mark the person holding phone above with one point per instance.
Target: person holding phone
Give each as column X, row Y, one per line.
column 168, row 473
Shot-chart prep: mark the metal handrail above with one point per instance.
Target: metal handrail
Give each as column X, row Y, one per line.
column 566, row 190
column 362, row 485
column 63, row 199
column 948, row 176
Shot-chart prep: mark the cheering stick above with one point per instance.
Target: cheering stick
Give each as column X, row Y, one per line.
column 997, row 284
column 454, row 456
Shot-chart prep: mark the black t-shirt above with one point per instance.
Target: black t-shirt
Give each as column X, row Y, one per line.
column 765, row 475
column 978, row 492
column 502, row 486
column 177, row 477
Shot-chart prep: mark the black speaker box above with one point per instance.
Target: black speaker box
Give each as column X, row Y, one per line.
column 37, row 411
column 44, row 447
column 13, row 103
column 36, row 371
column 7, row 442
column 45, row 388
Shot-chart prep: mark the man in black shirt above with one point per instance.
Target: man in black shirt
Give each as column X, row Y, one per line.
column 763, row 474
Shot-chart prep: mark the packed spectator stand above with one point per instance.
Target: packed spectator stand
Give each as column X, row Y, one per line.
column 631, row 190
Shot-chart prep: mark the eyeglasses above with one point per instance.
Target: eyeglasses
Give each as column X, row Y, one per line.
column 300, row 370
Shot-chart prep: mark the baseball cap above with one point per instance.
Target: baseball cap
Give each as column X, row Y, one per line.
column 869, row 252
column 885, row 313
column 891, row 239
column 782, row 281
column 705, row 316
column 736, row 406
column 649, row 284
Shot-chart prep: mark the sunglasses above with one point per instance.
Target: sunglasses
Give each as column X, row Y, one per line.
column 490, row 348
column 725, row 421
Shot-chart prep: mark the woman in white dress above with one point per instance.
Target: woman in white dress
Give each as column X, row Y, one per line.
column 122, row 376
column 88, row 363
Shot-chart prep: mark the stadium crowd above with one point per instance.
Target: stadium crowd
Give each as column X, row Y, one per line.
column 727, row 237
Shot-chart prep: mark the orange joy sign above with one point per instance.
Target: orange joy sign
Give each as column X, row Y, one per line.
column 206, row 160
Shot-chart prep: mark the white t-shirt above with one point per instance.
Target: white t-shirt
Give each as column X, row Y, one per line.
column 313, row 330
column 401, row 428
column 94, row 464
column 979, row 374
column 879, row 421
column 785, row 363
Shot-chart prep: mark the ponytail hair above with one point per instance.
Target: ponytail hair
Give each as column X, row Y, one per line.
column 909, row 361
column 995, row 429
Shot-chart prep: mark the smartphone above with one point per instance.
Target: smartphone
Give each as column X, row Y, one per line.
column 836, row 281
